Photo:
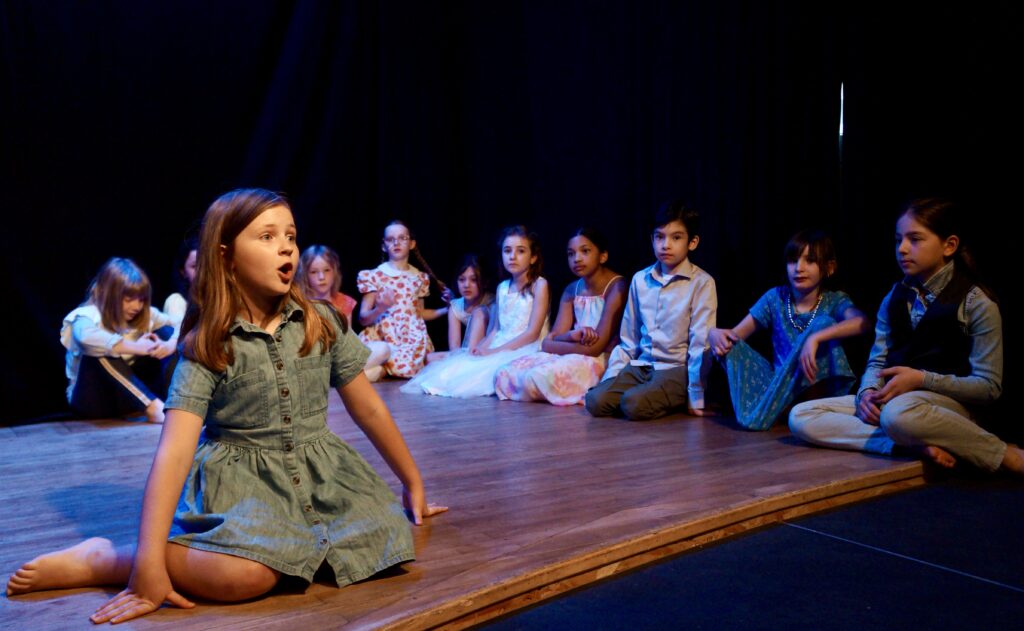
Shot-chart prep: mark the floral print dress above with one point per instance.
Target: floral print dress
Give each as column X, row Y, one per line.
column 401, row 326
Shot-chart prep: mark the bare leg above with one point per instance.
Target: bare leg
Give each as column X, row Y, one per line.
column 216, row 576
column 92, row 562
column 95, row 562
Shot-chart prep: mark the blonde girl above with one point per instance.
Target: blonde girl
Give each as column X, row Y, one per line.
column 115, row 343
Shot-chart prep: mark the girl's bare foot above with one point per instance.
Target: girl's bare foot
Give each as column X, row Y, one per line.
column 155, row 411
column 92, row 562
column 939, row 456
column 1013, row 461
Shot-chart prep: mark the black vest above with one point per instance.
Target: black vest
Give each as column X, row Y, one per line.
column 940, row 343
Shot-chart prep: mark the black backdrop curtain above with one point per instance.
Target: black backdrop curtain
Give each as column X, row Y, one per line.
column 121, row 121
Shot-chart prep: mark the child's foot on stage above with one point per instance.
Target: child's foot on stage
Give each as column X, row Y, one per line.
column 92, row 562
column 939, row 456
column 1013, row 461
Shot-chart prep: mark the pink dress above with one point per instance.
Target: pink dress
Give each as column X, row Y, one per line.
column 557, row 379
column 401, row 326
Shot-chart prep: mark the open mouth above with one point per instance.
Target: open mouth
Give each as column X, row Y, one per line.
column 285, row 272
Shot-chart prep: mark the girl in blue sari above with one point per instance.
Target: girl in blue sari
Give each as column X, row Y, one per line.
column 806, row 323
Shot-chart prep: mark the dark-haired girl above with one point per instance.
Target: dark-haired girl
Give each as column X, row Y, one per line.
column 574, row 355
column 937, row 361
column 806, row 323
column 521, row 321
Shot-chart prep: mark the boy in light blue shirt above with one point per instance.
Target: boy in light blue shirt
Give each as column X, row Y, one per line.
column 662, row 360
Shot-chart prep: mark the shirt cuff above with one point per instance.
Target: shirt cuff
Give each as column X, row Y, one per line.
column 695, row 398
column 115, row 339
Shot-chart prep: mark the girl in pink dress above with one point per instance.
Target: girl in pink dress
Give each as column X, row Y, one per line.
column 319, row 278
column 392, row 309
column 574, row 355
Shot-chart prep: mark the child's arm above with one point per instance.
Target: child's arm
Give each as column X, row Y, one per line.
column 538, row 315
column 721, row 340
column 563, row 320
column 589, row 341
column 374, row 304
column 868, row 405
column 429, row 315
column 702, row 319
column 853, row 322
column 454, row 331
column 629, row 335
column 373, row 418
column 150, row 585
column 95, row 341
column 984, row 383
column 476, row 328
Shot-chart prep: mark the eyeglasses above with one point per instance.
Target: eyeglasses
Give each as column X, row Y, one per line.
column 402, row 238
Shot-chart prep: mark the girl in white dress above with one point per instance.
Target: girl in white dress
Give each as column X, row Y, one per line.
column 522, row 320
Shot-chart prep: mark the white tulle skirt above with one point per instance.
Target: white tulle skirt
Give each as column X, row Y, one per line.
column 463, row 376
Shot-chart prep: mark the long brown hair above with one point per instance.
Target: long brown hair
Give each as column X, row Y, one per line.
column 944, row 218
column 215, row 300
column 536, row 267
column 116, row 279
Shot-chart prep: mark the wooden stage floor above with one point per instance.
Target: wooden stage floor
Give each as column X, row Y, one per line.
column 543, row 499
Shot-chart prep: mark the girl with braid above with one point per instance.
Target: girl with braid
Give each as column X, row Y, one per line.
column 392, row 309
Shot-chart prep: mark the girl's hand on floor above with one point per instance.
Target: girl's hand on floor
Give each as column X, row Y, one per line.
column 416, row 506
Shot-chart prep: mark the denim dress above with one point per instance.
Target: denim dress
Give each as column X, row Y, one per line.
column 270, row 482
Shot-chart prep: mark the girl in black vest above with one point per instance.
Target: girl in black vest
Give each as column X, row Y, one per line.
column 936, row 364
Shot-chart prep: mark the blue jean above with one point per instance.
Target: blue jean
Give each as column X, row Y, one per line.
column 914, row 419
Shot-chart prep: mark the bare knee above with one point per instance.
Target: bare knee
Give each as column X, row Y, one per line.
column 246, row 580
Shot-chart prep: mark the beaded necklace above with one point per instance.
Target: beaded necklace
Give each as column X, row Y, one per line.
column 789, row 311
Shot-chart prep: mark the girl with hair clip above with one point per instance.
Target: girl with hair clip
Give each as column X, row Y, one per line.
column 115, row 342
column 575, row 353
column 521, row 320
column 937, row 361
column 470, row 311
column 269, row 490
column 320, row 279
column 184, row 275
column 806, row 322
column 392, row 309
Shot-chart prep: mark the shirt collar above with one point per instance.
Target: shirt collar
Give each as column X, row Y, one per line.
column 685, row 270
column 292, row 312
column 934, row 285
column 391, row 270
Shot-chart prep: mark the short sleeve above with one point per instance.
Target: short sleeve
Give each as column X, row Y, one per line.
column 365, row 281
column 191, row 387
column 841, row 304
column 762, row 309
column 348, row 354
column 423, row 290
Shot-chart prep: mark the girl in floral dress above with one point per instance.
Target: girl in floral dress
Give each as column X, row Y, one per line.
column 574, row 355
column 392, row 308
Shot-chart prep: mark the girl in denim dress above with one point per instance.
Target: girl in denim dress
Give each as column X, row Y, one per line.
column 269, row 490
